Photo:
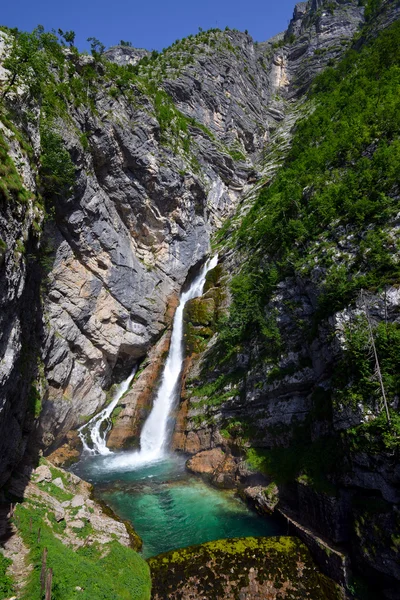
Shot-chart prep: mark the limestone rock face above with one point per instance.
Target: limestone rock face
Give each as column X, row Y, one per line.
column 126, row 55
column 147, row 196
column 20, row 310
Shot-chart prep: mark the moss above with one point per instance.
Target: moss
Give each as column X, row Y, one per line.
column 6, row 583
column 200, row 311
column 211, row 569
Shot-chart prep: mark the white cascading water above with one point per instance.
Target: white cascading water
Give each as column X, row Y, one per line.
column 154, row 436
column 155, row 433
column 95, row 428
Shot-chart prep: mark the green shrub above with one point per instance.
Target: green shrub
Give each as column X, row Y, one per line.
column 57, row 171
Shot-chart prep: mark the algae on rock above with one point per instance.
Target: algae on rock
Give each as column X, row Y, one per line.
column 231, row 569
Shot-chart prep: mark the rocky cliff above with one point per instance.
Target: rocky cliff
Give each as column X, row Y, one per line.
column 294, row 383
column 161, row 148
column 119, row 168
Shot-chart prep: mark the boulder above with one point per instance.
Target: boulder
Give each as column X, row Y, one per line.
column 42, row 473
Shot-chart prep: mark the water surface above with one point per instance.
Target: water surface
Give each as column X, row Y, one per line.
column 169, row 507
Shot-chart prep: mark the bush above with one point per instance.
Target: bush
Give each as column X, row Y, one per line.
column 57, row 171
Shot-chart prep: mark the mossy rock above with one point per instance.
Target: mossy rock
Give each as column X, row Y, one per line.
column 200, row 311
column 213, row 278
column 196, row 338
column 231, row 569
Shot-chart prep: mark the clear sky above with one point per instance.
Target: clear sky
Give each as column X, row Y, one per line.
column 151, row 24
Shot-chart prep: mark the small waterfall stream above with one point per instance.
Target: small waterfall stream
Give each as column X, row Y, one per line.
column 99, row 425
column 155, row 433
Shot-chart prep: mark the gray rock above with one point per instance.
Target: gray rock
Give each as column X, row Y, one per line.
column 42, row 473
column 59, row 514
column 76, row 524
column 77, row 500
column 59, row 483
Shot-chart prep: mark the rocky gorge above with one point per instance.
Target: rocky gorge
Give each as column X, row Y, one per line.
column 121, row 172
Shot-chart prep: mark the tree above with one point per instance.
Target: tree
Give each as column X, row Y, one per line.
column 96, row 47
column 68, row 36
column 123, row 43
column 27, row 60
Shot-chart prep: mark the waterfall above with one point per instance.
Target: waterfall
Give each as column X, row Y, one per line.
column 154, row 436
column 155, row 433
column 99, row 426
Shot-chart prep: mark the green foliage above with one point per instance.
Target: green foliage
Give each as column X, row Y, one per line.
column 355, row 378
column 96, row 47
column 34, row 402
column 67, row 36
column 376, row 436
column 58, row 493
column 11, row 185
column 216, row 392
column 341, row 174
column 28, row 60
column 310, row 461
column 372, row 8
column 6, row 582
column 57, row 171
column 112, row 571
column 247, row 312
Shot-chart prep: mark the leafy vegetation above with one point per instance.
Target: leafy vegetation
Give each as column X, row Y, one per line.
column 6, row 583
column 11, row 185
column 57, row 171
column 308, row 461
column 357, row 365
column 340, row 183
column 90, row 572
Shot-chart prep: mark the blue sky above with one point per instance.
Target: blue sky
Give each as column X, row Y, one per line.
column 147, row 24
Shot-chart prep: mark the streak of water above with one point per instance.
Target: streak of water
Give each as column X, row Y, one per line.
column 98, row 427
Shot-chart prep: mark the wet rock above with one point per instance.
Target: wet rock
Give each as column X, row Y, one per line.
column 264, row 498
column 68, row 453
column 206, row 462
column 216, row 465
column 136, row 405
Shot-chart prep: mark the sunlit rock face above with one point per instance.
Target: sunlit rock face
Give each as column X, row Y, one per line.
column 148, row 196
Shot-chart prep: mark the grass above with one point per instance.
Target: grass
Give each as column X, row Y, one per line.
column 107, row 572
column 6, row 582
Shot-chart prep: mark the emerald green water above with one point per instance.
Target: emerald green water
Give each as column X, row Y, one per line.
column 169, row 507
